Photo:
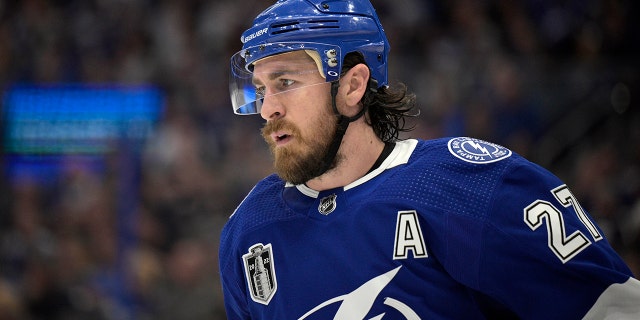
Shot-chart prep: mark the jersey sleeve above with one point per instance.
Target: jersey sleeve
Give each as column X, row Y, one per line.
column 249, row 215
column 539, row 253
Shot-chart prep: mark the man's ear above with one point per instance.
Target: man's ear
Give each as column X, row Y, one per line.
column 355, row 82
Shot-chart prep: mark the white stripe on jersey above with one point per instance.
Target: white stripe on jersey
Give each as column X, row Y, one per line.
column 620, row 301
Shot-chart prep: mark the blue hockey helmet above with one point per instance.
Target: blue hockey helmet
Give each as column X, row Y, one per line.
column 326, row 29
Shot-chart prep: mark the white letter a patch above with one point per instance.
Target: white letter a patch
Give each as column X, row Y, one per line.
column 408, row 236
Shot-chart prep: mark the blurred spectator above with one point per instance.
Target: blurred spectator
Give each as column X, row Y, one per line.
column 10, row 303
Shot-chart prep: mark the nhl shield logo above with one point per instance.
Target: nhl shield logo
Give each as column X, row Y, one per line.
column 260, row 273
column 327, row 204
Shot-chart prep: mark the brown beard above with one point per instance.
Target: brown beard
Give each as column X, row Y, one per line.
column 303, row 158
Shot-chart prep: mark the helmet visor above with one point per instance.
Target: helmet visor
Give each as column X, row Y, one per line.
column 249, row 85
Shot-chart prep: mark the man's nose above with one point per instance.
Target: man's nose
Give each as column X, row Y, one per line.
column 271, row 107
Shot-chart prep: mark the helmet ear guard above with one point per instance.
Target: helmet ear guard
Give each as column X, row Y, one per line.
column 330, row 28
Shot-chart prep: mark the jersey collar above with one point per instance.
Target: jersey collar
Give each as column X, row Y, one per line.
column 400, row 155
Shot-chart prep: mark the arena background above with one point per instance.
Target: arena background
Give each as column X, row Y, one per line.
column 122, row 225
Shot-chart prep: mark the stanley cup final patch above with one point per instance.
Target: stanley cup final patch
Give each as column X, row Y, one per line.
column 477, row 151
column 260, row 272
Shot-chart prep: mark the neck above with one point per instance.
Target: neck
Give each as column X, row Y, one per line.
column 359, row 150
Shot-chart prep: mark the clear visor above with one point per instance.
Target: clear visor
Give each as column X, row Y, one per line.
column 279, row 68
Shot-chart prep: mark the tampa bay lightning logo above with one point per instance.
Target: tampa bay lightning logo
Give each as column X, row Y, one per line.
column 477, row 151
column 356, row 304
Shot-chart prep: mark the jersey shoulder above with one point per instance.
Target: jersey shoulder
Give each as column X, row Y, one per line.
column 262, row 205
column 454, row 174
column 465, row 153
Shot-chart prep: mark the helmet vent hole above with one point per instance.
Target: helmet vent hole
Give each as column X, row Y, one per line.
column 323, row 21
column 285, row 30
column 284, row 25
column 324, row 27
column 323, row 24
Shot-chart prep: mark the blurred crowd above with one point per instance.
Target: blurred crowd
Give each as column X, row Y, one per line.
column 553, row 80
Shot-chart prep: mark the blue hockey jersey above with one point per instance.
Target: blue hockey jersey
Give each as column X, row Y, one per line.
column 454, row 228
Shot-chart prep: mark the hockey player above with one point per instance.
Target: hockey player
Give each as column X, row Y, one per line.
column 358, row 224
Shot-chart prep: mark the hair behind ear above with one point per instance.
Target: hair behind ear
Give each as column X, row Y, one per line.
column 388, row 107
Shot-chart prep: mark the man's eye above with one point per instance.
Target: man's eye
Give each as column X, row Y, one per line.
column 260, row 92
column 287, row 82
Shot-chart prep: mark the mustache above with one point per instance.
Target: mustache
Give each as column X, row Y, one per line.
column 279, row 125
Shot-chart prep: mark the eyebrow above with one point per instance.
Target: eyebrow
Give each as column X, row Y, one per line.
column 272, row 75
column 276, row 74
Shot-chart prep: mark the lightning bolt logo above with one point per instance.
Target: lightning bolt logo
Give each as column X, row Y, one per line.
column 478, row 146
column 356, row 304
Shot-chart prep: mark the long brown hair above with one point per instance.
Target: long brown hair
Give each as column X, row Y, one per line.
column 387, row 107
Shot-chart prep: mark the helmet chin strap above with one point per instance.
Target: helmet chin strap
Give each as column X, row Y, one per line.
column 341, row 128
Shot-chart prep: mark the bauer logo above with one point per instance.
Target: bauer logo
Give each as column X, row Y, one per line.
column 477, row 151
column 260, row 272
column 254, row 35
